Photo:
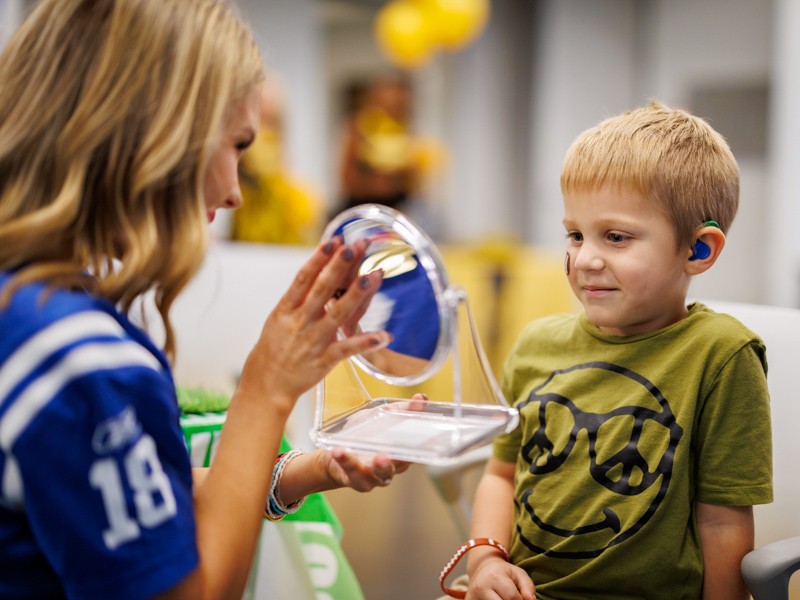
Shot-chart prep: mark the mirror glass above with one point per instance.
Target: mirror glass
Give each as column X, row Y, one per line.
column 410, row 304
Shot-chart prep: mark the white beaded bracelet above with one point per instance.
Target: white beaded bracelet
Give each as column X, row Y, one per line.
column 275, row 510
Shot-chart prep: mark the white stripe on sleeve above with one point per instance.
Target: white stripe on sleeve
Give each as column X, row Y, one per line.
column 82, row 360
column 39, row 347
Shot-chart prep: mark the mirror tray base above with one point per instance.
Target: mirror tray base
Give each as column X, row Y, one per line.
column 417, row 431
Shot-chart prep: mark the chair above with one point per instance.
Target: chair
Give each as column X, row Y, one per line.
column 768, row 569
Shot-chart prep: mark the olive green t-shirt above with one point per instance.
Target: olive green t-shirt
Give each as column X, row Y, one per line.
column 618, row 437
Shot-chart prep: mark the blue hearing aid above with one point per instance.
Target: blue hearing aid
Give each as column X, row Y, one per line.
column 700, row 250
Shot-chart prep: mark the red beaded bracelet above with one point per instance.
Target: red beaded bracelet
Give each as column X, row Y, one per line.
column 457, row 557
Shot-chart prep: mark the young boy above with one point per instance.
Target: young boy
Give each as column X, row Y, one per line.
column 644, row 436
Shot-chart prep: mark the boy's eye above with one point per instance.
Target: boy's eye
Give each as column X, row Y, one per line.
column 617, row 237
column 575, row 236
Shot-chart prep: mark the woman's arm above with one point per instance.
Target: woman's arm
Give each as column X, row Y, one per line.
column 726, row 535
column 297, row 347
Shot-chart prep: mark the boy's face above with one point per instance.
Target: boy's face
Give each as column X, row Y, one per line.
column 623, row 262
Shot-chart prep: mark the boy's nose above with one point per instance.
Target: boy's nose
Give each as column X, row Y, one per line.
column 588, row 258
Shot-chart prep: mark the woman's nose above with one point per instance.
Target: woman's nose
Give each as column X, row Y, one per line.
column 234, row 198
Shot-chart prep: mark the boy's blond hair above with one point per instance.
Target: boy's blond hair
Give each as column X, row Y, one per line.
column 109, row 112
column 669, row 156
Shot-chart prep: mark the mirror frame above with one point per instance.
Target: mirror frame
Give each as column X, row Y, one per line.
column 428, row 256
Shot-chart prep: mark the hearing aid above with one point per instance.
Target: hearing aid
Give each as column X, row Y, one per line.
column 700, row 250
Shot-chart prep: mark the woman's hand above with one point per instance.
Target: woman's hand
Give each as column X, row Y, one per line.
column 324, row 470
column 298, row 345
column 362, row 473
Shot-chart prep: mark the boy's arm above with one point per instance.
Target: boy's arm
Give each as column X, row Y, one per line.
column 491, row 576
column 726, row 535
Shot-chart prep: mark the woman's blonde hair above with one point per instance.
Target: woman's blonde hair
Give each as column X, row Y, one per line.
column 109, row 111
column 669, row 156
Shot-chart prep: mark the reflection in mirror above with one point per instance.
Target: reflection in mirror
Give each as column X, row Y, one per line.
column 405, row 306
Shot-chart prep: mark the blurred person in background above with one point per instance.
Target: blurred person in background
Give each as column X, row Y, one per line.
column 277, row 207
column 382, row 160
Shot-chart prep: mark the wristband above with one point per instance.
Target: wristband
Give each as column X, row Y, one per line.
column 474, row 543
column 275, row 510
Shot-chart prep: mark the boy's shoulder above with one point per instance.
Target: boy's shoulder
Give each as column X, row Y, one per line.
column 551, row 330
column 718, row 327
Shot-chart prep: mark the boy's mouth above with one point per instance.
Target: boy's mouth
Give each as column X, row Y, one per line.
column 593, row 291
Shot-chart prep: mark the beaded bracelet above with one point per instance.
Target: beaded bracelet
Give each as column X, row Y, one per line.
column 457, row 557
column 275, row 510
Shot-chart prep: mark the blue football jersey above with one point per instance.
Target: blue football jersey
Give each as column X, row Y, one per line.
column 95, row 479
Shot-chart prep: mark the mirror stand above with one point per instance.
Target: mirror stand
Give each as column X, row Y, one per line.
column 369, row 418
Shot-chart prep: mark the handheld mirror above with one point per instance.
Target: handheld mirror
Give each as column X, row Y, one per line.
column 433, row 332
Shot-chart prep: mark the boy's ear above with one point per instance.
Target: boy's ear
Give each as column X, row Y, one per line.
column 714, row 239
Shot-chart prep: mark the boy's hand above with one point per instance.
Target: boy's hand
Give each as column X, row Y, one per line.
column 497, row 579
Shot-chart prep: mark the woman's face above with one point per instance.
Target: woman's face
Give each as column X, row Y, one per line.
column 221, row 184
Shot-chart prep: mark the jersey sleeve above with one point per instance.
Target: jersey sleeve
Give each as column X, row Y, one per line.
column 734, row 436
column 105, row 482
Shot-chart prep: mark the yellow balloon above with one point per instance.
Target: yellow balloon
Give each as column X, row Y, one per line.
column 455, row 23
column 402, row 33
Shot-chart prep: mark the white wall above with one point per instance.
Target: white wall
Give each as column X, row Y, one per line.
column 10, row 14
column 289, row 33
column 485, row 94
column 582, row 72
column 782, row 215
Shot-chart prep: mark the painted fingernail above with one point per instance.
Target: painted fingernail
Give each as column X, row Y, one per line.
column 328, row 248
column 347, row 254
column 381, row 341
column 364, row 282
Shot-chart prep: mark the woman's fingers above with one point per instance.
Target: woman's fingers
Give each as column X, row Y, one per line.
column 365, row 473
column 351, row 327
column 337, row 278
column 357, row 344
column 298, row 344
column 308, row 273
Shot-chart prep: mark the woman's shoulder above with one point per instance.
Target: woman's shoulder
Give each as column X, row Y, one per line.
column 38, row 319
column 35, row 306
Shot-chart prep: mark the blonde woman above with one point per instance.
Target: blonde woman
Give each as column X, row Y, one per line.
column 121, row 124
